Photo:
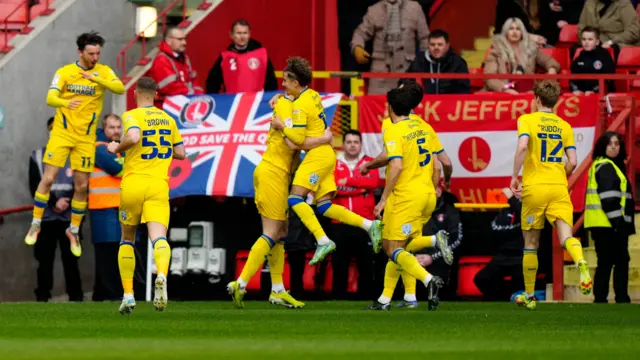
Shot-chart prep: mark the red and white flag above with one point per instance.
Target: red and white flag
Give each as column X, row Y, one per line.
column 479, row 133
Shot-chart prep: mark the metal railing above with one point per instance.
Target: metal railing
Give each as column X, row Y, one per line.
column 48, row 10
column 121, row 59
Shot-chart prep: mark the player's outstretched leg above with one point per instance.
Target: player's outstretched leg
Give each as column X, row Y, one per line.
column 40, row 202
column 346, row 216
column 162, row 257
column 309, row 219
column 574, row 248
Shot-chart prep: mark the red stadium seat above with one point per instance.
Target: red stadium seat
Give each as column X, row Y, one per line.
column 469, row 266
column 561, row 55
column 352, row 281
column 476, row 84
column 629, row 58
column 568, row 36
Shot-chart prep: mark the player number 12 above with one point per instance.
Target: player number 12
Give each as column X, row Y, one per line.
column 155, row 152
column 550, row 157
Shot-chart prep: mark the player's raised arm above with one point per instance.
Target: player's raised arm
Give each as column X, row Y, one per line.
column 570, row 150
column 53, row 95
column 110, row 81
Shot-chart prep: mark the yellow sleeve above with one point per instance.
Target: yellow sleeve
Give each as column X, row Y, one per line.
column 567, row 138
column 53, row 95
column 110, row 80
column 392, row 143
column 296, row 129
column 523, row 127
column 130, row 122
column 176, row 135
column 434, row 142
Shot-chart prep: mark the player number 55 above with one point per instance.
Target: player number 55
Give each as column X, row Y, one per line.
column 155, row 149
column 423, row 151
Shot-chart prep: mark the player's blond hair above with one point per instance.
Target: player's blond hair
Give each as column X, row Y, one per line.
column 548, row 91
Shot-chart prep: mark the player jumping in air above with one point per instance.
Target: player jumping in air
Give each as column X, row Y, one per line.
column 271, row 182
column 440, row 239
column 316, row 172
column 77, row 92
column 151, row 139
column 543, row 140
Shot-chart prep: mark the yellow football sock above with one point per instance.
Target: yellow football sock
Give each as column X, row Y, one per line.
column 276, row 263
column 342, row 214
column 77, row 212
column 127, row 265
column 529, row 269
column 391, row 276
column 40, row 202
column 419, row 243
column 574, row 248
column 259, row 250
column 306, row 215
column 162, row 255
column 409, row 264
column 409, row 283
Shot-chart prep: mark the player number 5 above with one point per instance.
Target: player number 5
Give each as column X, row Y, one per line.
column 423, row 151
column 155, row 151
column 552, row 156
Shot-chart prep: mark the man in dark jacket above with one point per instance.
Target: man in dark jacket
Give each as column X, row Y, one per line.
column 441, row 59
column 508, row 258
column 244, row 66
column 57, row 217
column 593, row 59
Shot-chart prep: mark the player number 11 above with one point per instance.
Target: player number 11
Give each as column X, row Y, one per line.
column 155, row 152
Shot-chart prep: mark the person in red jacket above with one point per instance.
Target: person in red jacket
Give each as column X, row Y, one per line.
column 355, row 192
column 172, row 68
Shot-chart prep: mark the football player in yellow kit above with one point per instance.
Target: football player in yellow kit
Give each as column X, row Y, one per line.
column 543, row 140
column 151, row 140
column 77, row 92
column 271, row 180
column 316, row 172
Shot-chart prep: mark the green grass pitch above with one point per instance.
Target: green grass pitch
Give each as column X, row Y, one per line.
column 323, row 330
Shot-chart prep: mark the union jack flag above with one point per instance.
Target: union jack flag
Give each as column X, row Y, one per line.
column 225, row 136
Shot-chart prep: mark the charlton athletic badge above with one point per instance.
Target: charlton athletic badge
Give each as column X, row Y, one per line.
column 253, row 63
column 597, row 65
column 197, row 111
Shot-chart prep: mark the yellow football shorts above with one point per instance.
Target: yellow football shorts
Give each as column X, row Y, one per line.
column 145, row 199
column 316, row 173
column 404, row 218
column 545, row 201
column 271, row 186
column 80, row 151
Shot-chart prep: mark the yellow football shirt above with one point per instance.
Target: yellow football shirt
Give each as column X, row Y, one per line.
column 309, row 120
column 415, row 142
column 82, row 121
column 159, row 134
column 278, row 153
column 387, row 122
column 549, row 137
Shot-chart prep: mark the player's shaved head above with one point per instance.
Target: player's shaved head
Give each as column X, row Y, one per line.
column 548, row 92
column 298, row 69
column 146, row 85
column 401, row 101
column 90, row 38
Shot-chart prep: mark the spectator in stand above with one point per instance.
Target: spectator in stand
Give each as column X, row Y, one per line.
column 104, row 201
column 441, row 59
column 244, row 66
column 556, row 14
column 172, row 69
column 395, row 26
column 514, row 52
column 593, row 59
column 354, row 192
column 616, row 19
column 507, row 260
column 56, row 220
column 528, row 11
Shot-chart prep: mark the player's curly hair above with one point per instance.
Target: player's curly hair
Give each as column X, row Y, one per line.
column 401, row 101
column 299, row 69
column 90, row 38
column 548, row 91
column 415, row 91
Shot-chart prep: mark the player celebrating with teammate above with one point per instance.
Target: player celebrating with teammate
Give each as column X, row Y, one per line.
column 77, row 92
column 543, row 139
column 271, row 183
column 316, row 172
column 151, row 140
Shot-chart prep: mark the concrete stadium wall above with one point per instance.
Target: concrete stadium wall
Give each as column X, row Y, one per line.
column 24, row 79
